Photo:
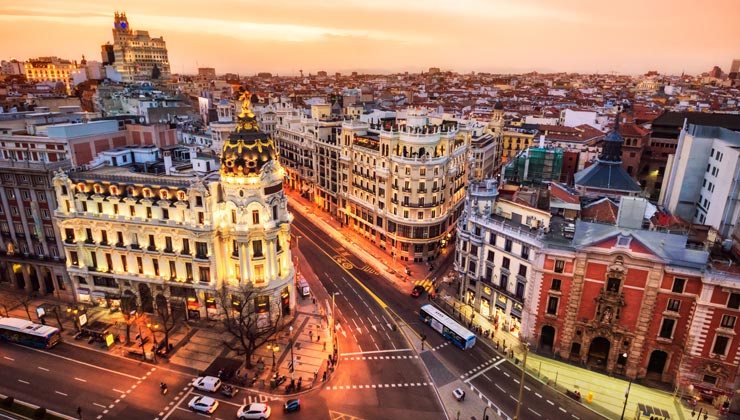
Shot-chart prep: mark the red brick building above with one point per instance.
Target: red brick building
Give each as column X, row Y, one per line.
column 620, row 291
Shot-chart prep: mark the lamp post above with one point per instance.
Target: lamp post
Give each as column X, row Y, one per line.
column 274, row 347
column 521, row 382
column 153, row 329
column 485, row 417
column 292, row 359
column 627, row 393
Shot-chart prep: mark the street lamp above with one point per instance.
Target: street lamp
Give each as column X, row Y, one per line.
column 274, row 347
column 627, row 393
column 153, row 329
column 485, row 417
column 521, row 382
column 292, row 359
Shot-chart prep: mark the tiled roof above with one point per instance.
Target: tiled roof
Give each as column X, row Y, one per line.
column 607, row 176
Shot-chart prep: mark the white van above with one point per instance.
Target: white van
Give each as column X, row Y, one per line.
column 207, row 383
column 303, row 288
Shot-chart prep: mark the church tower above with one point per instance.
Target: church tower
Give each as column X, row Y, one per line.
column 253, row 226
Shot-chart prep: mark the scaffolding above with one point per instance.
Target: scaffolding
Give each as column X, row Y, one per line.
column 535, row 166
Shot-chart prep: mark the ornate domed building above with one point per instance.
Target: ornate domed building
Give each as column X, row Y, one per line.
column 139, row 223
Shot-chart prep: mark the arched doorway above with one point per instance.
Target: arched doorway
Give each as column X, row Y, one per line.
column 598, row 352
column 147, row 302
column 48, row 282
column 656, row 364
column 547, row 338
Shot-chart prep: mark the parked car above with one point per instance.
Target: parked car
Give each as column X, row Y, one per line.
column 459, row 394
column 417, row 291
column 254, row 411
column 203, row 404
column 207, row 383
column 292, row 405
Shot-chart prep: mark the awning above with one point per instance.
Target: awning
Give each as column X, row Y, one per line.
column 711, row 390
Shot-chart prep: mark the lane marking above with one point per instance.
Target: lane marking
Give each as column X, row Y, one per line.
column 538, row 395
column 61, row 393
column 550, row 402
column 24, row 382
column 43, row 368
column 9, row 358
column 80, row 379
column 100, row 405
column 538, row 414
column 562, row 409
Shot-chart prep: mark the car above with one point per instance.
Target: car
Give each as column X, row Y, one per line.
column 292, row 405
column 417, row 291
column 203, row 404
column 459, row 394
column 207, row 383
column 254, row 411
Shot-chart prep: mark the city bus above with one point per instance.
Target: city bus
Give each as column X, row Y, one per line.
column 25, row 332
column 448, row 327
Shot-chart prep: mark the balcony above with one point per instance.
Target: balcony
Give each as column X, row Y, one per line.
column 202, row 257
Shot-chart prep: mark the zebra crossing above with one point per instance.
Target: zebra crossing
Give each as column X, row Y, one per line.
column 369, row 270
column 358, row 358
column 485, row 365
column 427, row 284
column 377, row 386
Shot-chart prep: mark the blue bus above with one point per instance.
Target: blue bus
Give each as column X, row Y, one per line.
column 448, row 327
column 25, row 332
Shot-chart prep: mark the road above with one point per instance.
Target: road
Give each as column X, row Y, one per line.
column 369, row 303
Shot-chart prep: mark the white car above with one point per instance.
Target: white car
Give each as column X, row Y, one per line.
column 207, row 383
column 254, row 411
column 203, row 404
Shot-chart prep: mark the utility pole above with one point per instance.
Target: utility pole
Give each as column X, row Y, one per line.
column 521, row 382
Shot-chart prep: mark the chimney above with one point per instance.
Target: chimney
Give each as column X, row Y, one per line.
column 167, row 162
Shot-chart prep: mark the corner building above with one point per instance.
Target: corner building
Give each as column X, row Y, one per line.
column 403, row 182
column 184, row 237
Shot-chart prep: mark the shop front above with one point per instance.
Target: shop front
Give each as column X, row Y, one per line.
column 193, row 307
column 83, row 295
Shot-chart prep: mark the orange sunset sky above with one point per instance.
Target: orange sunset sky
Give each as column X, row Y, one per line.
column 285, row 36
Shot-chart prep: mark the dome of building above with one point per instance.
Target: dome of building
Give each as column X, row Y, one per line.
column 248, row 149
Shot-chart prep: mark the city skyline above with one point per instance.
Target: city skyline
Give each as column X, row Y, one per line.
column 247, row 37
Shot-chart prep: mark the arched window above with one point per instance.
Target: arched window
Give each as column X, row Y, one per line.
column 113, row 190
column 164, row 194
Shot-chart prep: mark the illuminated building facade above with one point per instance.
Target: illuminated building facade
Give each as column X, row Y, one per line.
column 135, row 53
column 403, row 182
column 182, row 236
column 50, row 69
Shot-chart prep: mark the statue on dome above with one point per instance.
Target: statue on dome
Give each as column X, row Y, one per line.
column 246, row 120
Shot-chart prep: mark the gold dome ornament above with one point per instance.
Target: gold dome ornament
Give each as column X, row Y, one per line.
column 246, row 120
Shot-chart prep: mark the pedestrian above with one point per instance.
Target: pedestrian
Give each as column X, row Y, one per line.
column 310, row 336
column 314, row 301
column 315, row 374
column 324, row 378
column 318, row 337
column 300, row 380
column 324, row 345
column 79, row 412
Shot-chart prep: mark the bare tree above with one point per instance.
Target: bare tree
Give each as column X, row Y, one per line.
column 169, row 318
column 129, row 306
column 20, row 298
column 251, row 329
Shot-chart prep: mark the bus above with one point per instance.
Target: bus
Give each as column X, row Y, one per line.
column 448, row 327
column 25, row 332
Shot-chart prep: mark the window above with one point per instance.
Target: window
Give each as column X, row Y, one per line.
column 555, row 285
column 255, row 217
column 201, row 249
column 124, row 264
column 666, row 329
column 490, row 256
column 505, row 263
column 522, row 270
column 525, row 252
column 198, row 201
column 257, row 248
column 152, row 244
column 559, row 266
column 103, row 237
column 204, row 274
column 140, row 265
column 728, row 321
column 132, row 211
column 155, row 263
column 167, row 244
column 492, row 239
column 185, row 246
column 88, row 235
column 275, row 211
column 165, row 214
column 507, row 245
column 720, row 345
column 100, row 207
column 519, row 293
column 552, row 305
column 504, row 281
column 733, row 302
column 474, row 251
column 73, row 258
column 173, row 270
column 678, row 285
column 673, row 305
